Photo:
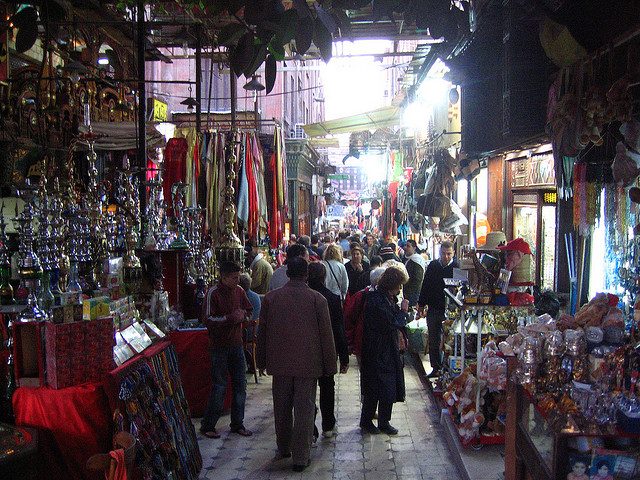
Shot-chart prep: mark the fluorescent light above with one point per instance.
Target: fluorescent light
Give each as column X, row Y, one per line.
column 103, row 61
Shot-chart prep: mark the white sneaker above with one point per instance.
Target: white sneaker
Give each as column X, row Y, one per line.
column 328, row 434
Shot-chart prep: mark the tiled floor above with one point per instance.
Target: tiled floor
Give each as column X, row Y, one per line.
column 418, row 452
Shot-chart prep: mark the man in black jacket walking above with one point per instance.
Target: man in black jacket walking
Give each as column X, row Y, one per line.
column 317, row 274
column 432, row 301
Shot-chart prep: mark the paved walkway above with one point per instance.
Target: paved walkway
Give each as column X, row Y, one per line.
column 417, row 452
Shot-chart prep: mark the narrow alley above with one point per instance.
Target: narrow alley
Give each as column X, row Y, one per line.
column 419, row 450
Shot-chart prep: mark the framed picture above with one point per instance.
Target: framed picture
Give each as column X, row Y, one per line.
column 579, row 466
column 613, row 465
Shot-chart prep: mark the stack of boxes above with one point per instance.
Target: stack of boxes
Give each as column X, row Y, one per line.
column 80, row 351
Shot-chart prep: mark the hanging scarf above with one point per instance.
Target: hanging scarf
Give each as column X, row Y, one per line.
column 263, row 213
column 253, row 190
column 175, row 156
column 243, row 193
column 220, row 184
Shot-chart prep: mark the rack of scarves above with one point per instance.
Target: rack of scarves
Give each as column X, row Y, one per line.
column 252, row 198
column 278, row 189
column 261, row 185
column 157, row 414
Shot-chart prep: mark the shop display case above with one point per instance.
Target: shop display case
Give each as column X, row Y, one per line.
column 537, row 449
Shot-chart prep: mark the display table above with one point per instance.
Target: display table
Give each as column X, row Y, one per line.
column 76, row 422
column 192, row 348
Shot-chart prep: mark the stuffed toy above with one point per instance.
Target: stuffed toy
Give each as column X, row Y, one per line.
column 624, row 168
column 620, row 101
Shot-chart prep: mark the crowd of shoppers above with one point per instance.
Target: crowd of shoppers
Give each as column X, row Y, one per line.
column 333, row 295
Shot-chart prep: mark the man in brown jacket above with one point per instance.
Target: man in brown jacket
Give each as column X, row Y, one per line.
column 295, row 344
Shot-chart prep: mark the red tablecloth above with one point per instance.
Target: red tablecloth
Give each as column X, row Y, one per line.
column 74, row 423
column 192, row 348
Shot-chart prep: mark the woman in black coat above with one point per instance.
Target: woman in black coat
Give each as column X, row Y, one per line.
column 381, row 375
column 317, row 274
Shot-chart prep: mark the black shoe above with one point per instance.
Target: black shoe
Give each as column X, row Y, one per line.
column 369, row 428
column 300, row 468
column 434, row 373
column 388, row 429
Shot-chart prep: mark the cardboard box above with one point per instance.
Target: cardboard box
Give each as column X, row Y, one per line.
column 79, row 352
column 28, row 354
column 94, row 308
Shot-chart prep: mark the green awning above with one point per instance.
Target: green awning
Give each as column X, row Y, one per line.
column 382, row 117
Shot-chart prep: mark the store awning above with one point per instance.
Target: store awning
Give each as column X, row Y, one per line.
column 122, row 136
column 382, row 117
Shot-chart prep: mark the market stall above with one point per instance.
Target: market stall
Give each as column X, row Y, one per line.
column 573, row 395
column 77, row 421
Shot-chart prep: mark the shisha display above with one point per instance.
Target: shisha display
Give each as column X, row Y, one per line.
column 29, row 268
column 6, row 290
column 95, row 218
column 178, row 194
column 57, row 255
column 230, row 247
column 132, row 268
column 196, row 259
column 78, row 246
column 46, row 297
column 155, row 238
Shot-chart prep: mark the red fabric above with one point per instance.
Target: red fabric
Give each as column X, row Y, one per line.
column 175, row 164
column 518, row 245
column 274, row 218
column 121, row 468
column 76, row 420
column 252, row 181
column 192, row 349
column 519, row 299
column 196, row 165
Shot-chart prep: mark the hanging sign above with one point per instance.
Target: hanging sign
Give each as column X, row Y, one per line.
column 338, row 176
column 536, row 171
column 157, row 110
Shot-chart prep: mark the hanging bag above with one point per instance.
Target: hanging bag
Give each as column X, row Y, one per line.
column 336, row 279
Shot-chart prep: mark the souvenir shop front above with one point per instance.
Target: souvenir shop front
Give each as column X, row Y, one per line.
column 102, row 251
column 532, row 213
column 302, row 162
column 555, row 381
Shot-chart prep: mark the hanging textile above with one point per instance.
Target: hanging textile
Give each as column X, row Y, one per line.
column 280, row 194
column 252, row 227
column 175, row 155
column 243, row 192
column 214, row 155
column 263, row 212
column 192, row 163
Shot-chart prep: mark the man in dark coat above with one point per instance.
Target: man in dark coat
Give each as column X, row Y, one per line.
column 295, row 345
column 317, row 274
column 381, row 365
column 433, row 300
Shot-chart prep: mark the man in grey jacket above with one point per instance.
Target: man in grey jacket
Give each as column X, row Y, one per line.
column 295, row 345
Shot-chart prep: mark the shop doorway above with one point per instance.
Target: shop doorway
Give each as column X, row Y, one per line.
column 534, row 220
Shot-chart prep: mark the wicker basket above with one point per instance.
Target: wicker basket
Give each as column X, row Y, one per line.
column 523, row 272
